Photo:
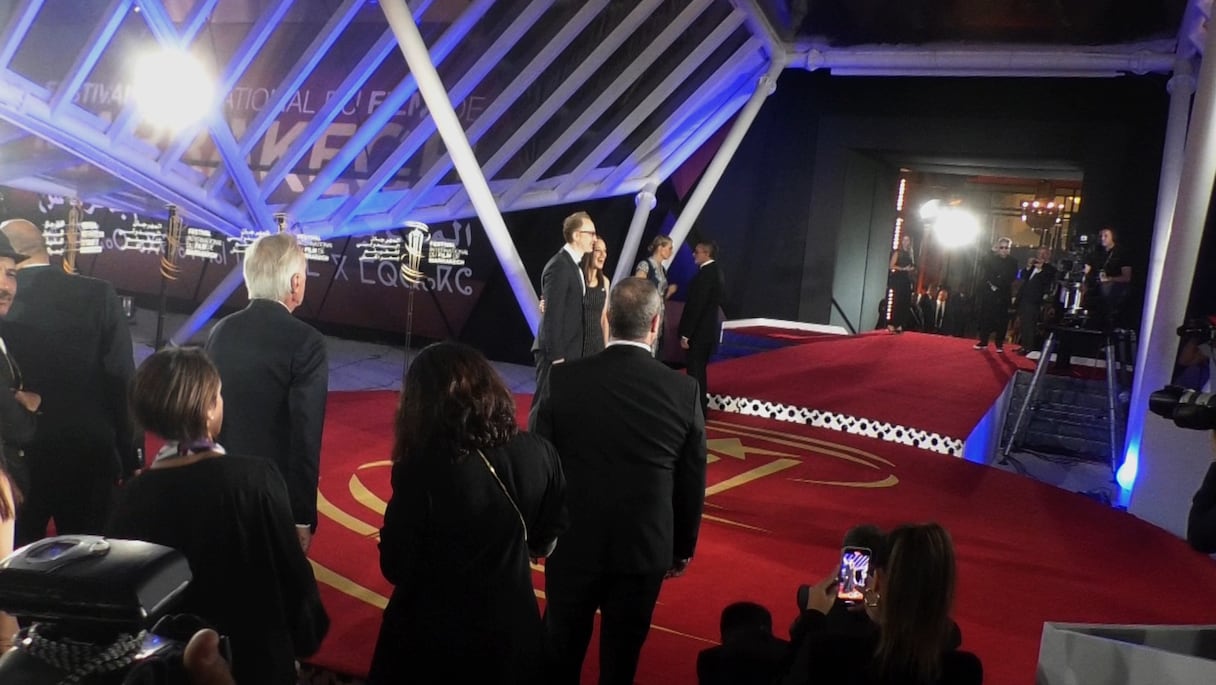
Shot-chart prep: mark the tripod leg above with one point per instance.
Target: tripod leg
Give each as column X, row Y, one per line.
column 1112, row 403
column 1024, row 411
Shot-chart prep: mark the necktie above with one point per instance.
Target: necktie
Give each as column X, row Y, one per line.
column 941, row 308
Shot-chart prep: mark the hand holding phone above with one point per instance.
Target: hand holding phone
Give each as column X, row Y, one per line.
column 818, row 597
column 854, row 574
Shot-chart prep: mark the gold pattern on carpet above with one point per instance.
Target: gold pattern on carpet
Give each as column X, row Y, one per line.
column 732, row 441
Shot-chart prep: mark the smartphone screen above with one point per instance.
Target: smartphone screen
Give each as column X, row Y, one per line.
column 854, row 574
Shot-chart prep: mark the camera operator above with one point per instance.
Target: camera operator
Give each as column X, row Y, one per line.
column 1109, row 269
column 1201, row 522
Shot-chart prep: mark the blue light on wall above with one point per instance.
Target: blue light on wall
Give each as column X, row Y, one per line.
column 1126, row 475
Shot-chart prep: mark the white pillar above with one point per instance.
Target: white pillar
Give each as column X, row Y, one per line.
column 1156, row 331
column 1172, row 272
column 717, row 166
column 643, row 203
column 440, row 108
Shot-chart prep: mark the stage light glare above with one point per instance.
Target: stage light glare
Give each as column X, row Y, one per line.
column 930, row 210
column 171, row 89
column 956, row 227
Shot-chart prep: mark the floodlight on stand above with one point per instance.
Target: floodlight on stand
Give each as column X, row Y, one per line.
column 171, row 89
column 930, row 210
column 956, row 227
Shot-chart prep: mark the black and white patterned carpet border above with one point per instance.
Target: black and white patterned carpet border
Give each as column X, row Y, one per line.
column 856, row 425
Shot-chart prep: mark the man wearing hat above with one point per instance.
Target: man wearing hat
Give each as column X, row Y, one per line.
column 74, row 345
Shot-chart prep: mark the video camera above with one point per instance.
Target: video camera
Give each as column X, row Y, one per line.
column 1072, row 263
column 1199, row 330
column 87, row 602
column 1185, row 407
column 1188, row 408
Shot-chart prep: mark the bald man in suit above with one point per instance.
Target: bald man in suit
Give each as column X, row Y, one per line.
column 69, row 334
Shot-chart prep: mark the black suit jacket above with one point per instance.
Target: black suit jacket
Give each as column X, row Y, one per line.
column 276, row 377
column 561, row 326
column 631, row 438
column 699, row 323
column 69, row 335
column 17, row 424
column 1035, row 288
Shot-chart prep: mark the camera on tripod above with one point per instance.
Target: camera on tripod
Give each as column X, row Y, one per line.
column 87, row 602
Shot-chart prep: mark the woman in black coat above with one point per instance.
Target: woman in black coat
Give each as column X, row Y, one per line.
column 473, row 499
column 228, row 515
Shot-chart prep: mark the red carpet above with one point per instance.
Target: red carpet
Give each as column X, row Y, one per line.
column 929, row 382
column 780, row 497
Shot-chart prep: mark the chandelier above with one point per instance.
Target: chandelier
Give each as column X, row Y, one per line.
column 1042, row 213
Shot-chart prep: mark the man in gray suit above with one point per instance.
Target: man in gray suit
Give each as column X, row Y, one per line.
column 562, row 286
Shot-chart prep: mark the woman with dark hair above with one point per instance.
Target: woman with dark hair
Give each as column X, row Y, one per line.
column 595, row 300
column 228, row 515
column 899, row 280
column 913, row 641
column 652, row 269
column 473, row 498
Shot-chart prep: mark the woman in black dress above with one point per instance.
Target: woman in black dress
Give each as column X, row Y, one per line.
column 595, row 300
column 473, row 498
column 899, row 280
column 229, row 515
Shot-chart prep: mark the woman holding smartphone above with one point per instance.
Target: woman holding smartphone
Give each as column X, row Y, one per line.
column 912, row 639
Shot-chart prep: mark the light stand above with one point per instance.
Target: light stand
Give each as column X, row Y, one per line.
column 411, row 273
column 71, row 238
column 168, row 270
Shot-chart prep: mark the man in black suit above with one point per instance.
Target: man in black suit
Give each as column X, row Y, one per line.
column 275, row 374
column 74, row 345
column 943, row 318
column 562, row 286
column 631, row 436
column 1038, row 279
column 699, row 325
column 926, row 302
column 18, row 420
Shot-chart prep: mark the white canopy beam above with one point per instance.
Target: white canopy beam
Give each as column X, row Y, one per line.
column 644, row 202
column 440, row 108
column 717, row 166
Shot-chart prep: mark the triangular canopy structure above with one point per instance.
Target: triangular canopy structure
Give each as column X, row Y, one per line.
column 562, row 100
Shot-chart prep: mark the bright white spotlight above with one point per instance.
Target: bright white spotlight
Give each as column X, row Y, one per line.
column 956, row 227
column 930, row 210
column 172, row 89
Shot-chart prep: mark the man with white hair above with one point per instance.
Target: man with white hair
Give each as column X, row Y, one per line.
column 275, row 374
